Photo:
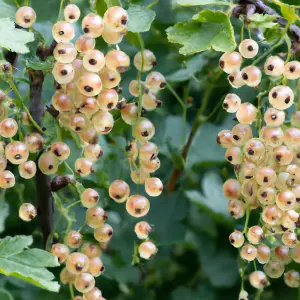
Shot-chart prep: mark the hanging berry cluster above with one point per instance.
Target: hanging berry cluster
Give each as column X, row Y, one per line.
column 87, row 83
column 266, row 167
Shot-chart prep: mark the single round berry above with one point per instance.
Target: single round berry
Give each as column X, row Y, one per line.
column 155, row 82
column 225, row 139
column 246, row 113
column 232, row 103
column 258, row 279
column 103, row 234
column 153, row 186
column 248, row 48
column 274, row 268
column 271, row 215
column 83, row 167
column 93, row 152
column 255, row 235
column 84, row 282
column 274, row 117
column 281, row 97
column 110, row 78
column 89, row 84
column 62, row 102
column 96, row 267
column 142, row 229
column 263, row 254
column 119, row 191
column 93, row 61
column 94, row 294
column 292, row 70
column 72, row 13
column 107, row 99
column 27, row 169
column 292, row 278
column 96, row 217
column 103, row 122
column 34, row 142
column 113, row 37
column 236, row 208
column 92, row 25
column 25, row 16
column 116, row 18
column 65, row 53
column 74, row 239
column 63, row 73
column 66, row 277
column 8, row 128
column 84, row 44
column 236, row 239
column 230, row 62
column 60, row 150
column 143, row 130
column 7, row 179
column 137, row 206
column 16, row 152
column 129, row 113
column 148, row 59
column 77, row 263
column 234, row 155
column 27, row 212
column 274, row 66
column 147, row 250
column 117, row 60
column 48, row 163
column 63, row 32
column 251, row 76
column 61, row 251
column 91, row 251
column 248, row 252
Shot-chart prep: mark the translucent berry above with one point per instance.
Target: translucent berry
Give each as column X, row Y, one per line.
column 96, row 267
column 93, row 61
column 48, row 163
column 7, row 179
column 89, row 84
column 62, row 102
column 91, row 250
column 119, row 191
column 240, row 133
column 230, row 62
column 149, row 60
column 150, row 166
column 289, row 238
column 274, row 117
column 61, row 150
column 116, row 18
column 292, row 70
column 92, row 25
column 235, row 79
column 16, row 152
column 142, row 229
column 103, row 122
column 74, row 239
column 266, row 176
column 232, row 189
column 77, row 263
column 133, row 88
column 8, row 128
column 248, row 48
column 147, row 250
column 149, row 102
column 113, row 37
column 224, row 139
column 103, row 234
column 137, row 206
column 292, row 278
column 281, row 97
column 283, row 155
column 266, row 196
column 246, row 113
column 273, row 136
column 148, row 151
column 234, row 155
column 25, row 16
column 63, row 73
column 232, row 103
column 274, row 66
column 236, row 209
column 110, row 78
column 292, row 138
column 281, row 252
column 155, row 82
column 63, row 32
column 93, row 152
column 96, row 217
column 251, row 76
column 85, row 44
column 153, row 186
column 84, row 282
column 61, row 251
column 27, row 169
column 248, row 252
column 107, row 99
column 237, row 239
column 258, row 279
column 3, row 162
column 263, row 254
column 129, row 113
column 89, row 135
column 271, row 214
column 139, row 176
column 65, row 53
column 71, row 13
column 255, row 150
column 27, row 212
column 94, row 294
column 66, row 277
column 274, row 268
column 143, row 130
column 84, row 167
column 117, row 60
column 255, row 235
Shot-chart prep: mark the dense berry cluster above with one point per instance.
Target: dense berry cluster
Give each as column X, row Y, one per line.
column 87, row 90
column 266, row 166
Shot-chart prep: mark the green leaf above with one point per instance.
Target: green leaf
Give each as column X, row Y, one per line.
column 201, row 2
column 212, row 194
column 28, row 265
column 37, row 64
column 204, row 31
column 5, row 295
column 140, row 18
column 4, row 212
column 192, row 66
column 98, row 6
column 12, row 38
column 263, row 21
column 288, row 11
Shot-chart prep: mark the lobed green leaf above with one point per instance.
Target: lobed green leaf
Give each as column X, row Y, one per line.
column 140, row 18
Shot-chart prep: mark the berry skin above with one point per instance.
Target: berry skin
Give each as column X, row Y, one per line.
column 94, row 294
column 295, row 253
column 27, row 169
column 34, row 142
column 61, row 150
column 281, row 97
column 147, row 250
column 248, row 252
column 112, row 37
column 96, row 217
column 286, row 200
column 272, row 136
column 137, row 206
column 289, row 238
column 16, row 152
column 91, row 250
column 150, row 166
column 117, row 60
column 232, row 189
column 84, row 167
column 230, row 62
column 8, row 128
column 78, row 122
column 224, row 139
column 77, row 263
column 232, row 103
column 139, row 176
column 283, row 155
column 143, row 130
column 92, row 152
column 63, row 32
column 240, row 133
column 48, row 163
column 234, row 155
column 84, row 282
column 149, row 60
column 155, row 82
column 89, row 135
column 27, row 212
column 153, row 186
column 65, row 53
column 85, row 44
column 271, row 215
column 236, row 209
column 119, row 191
column 149, row 102
column 248, row 48
column 74, row 239
column 62, row 102
column 110, row 78
column 246, row 113
column 274, row 268
column 254, row 151
column 103, row 122
column 274, row 117
column 7, row 179
column 92, row 25
column 265, row 176
column 89, row 84
column 236, row 239
column 116, row 18
column 148, row 151
column 292, row 70
column 61, row 251
column 142, row 230
column 25, row 16
column 292, row 279
column 133, row 88
column 251, row 76
column 103, row 234
column 263, row 254
column 258, row 279
column 292, row 138
column 129, row 113
column 63, row 73
column 66, row 277
column 274, row 66
column 3, row 162
column 235, row 79
column 255, row 235
column 266, row 196
column 281, row 253
column 93, row 61
column 96, row 267
column 107, row 99
column 72, row 13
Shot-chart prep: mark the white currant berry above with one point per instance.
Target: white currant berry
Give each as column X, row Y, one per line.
column 236, row 209
column 62, row 102
column 48, row 163
column 27, row 212
column 103, row 122
column 143, row 130
column 234, row 155
column 274, row 117
column 281, row 97
column 92, row 25
column 271, row 214
column 274, row 66
column 7, row 179
column 119, row 191
column 232, row 103
column 274, row 268
column 63, row 73
column 77, row 263
column 74, row 239
column 16, row 152
column 142, row 229
column 25, row 16
column 246, row 113
column 3, row 162
column 148, row 151
column 289, row 238
column 27, row 169
column 117, row 60
column 60, row 150
column 258, row 279
column 248, row 48
column 240, row 134
column 235, row 79
column 85, row 44
column 292, row 70
column 89, row 84
column 248, row 252
column 133, row 88
column 292, row 138
column 96, row 267
column 103, row 234
column 93, row 152
column 61, row 251
column 84, row 282
column 113, row 37
column 116, row 18
column 137, row 206
column 292, row 278
column 89, row 135
column 110, row 78
column 153, row 186
column 91, row 251
column 255, row 235
column 149, row 60
column 230, row 62
column 265, row 176
column 149, row 102
column 63, row 32
column 139, row 176
column 155, row 82
column 94, row 294
column 89, row 198
column 66, row 277
column 266, row 195
column 96, row 217
column 147, row 249
column 93, row 61
column 65, row 53
column 255, row 151
column 282, row 253
column 282, row 155
column 107, row 99
column 232, row 189
column 129, row 113
column 263, row 254
column 251, row 76
column 237, row 239
column 150, row 166
column 8, row 128
column 224, row 139
column 71, row 13
column 84, row 167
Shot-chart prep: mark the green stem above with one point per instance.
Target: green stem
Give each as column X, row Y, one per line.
column 177, row 97
column 72, row 205
column 185, row 98
column 60, row 8
column 152, row 4
column 242, row 31
column 139, row 78
column 247, row 217
column 254, row 265
column 17, row 4
column 71, row 291
column 258, row 294
column 69, row 168
column 20, row 100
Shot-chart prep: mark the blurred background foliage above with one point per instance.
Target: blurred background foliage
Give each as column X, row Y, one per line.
column 192, row 224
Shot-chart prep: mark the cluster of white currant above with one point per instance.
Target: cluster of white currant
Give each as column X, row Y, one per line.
column 267, row 167
column 87, row 84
